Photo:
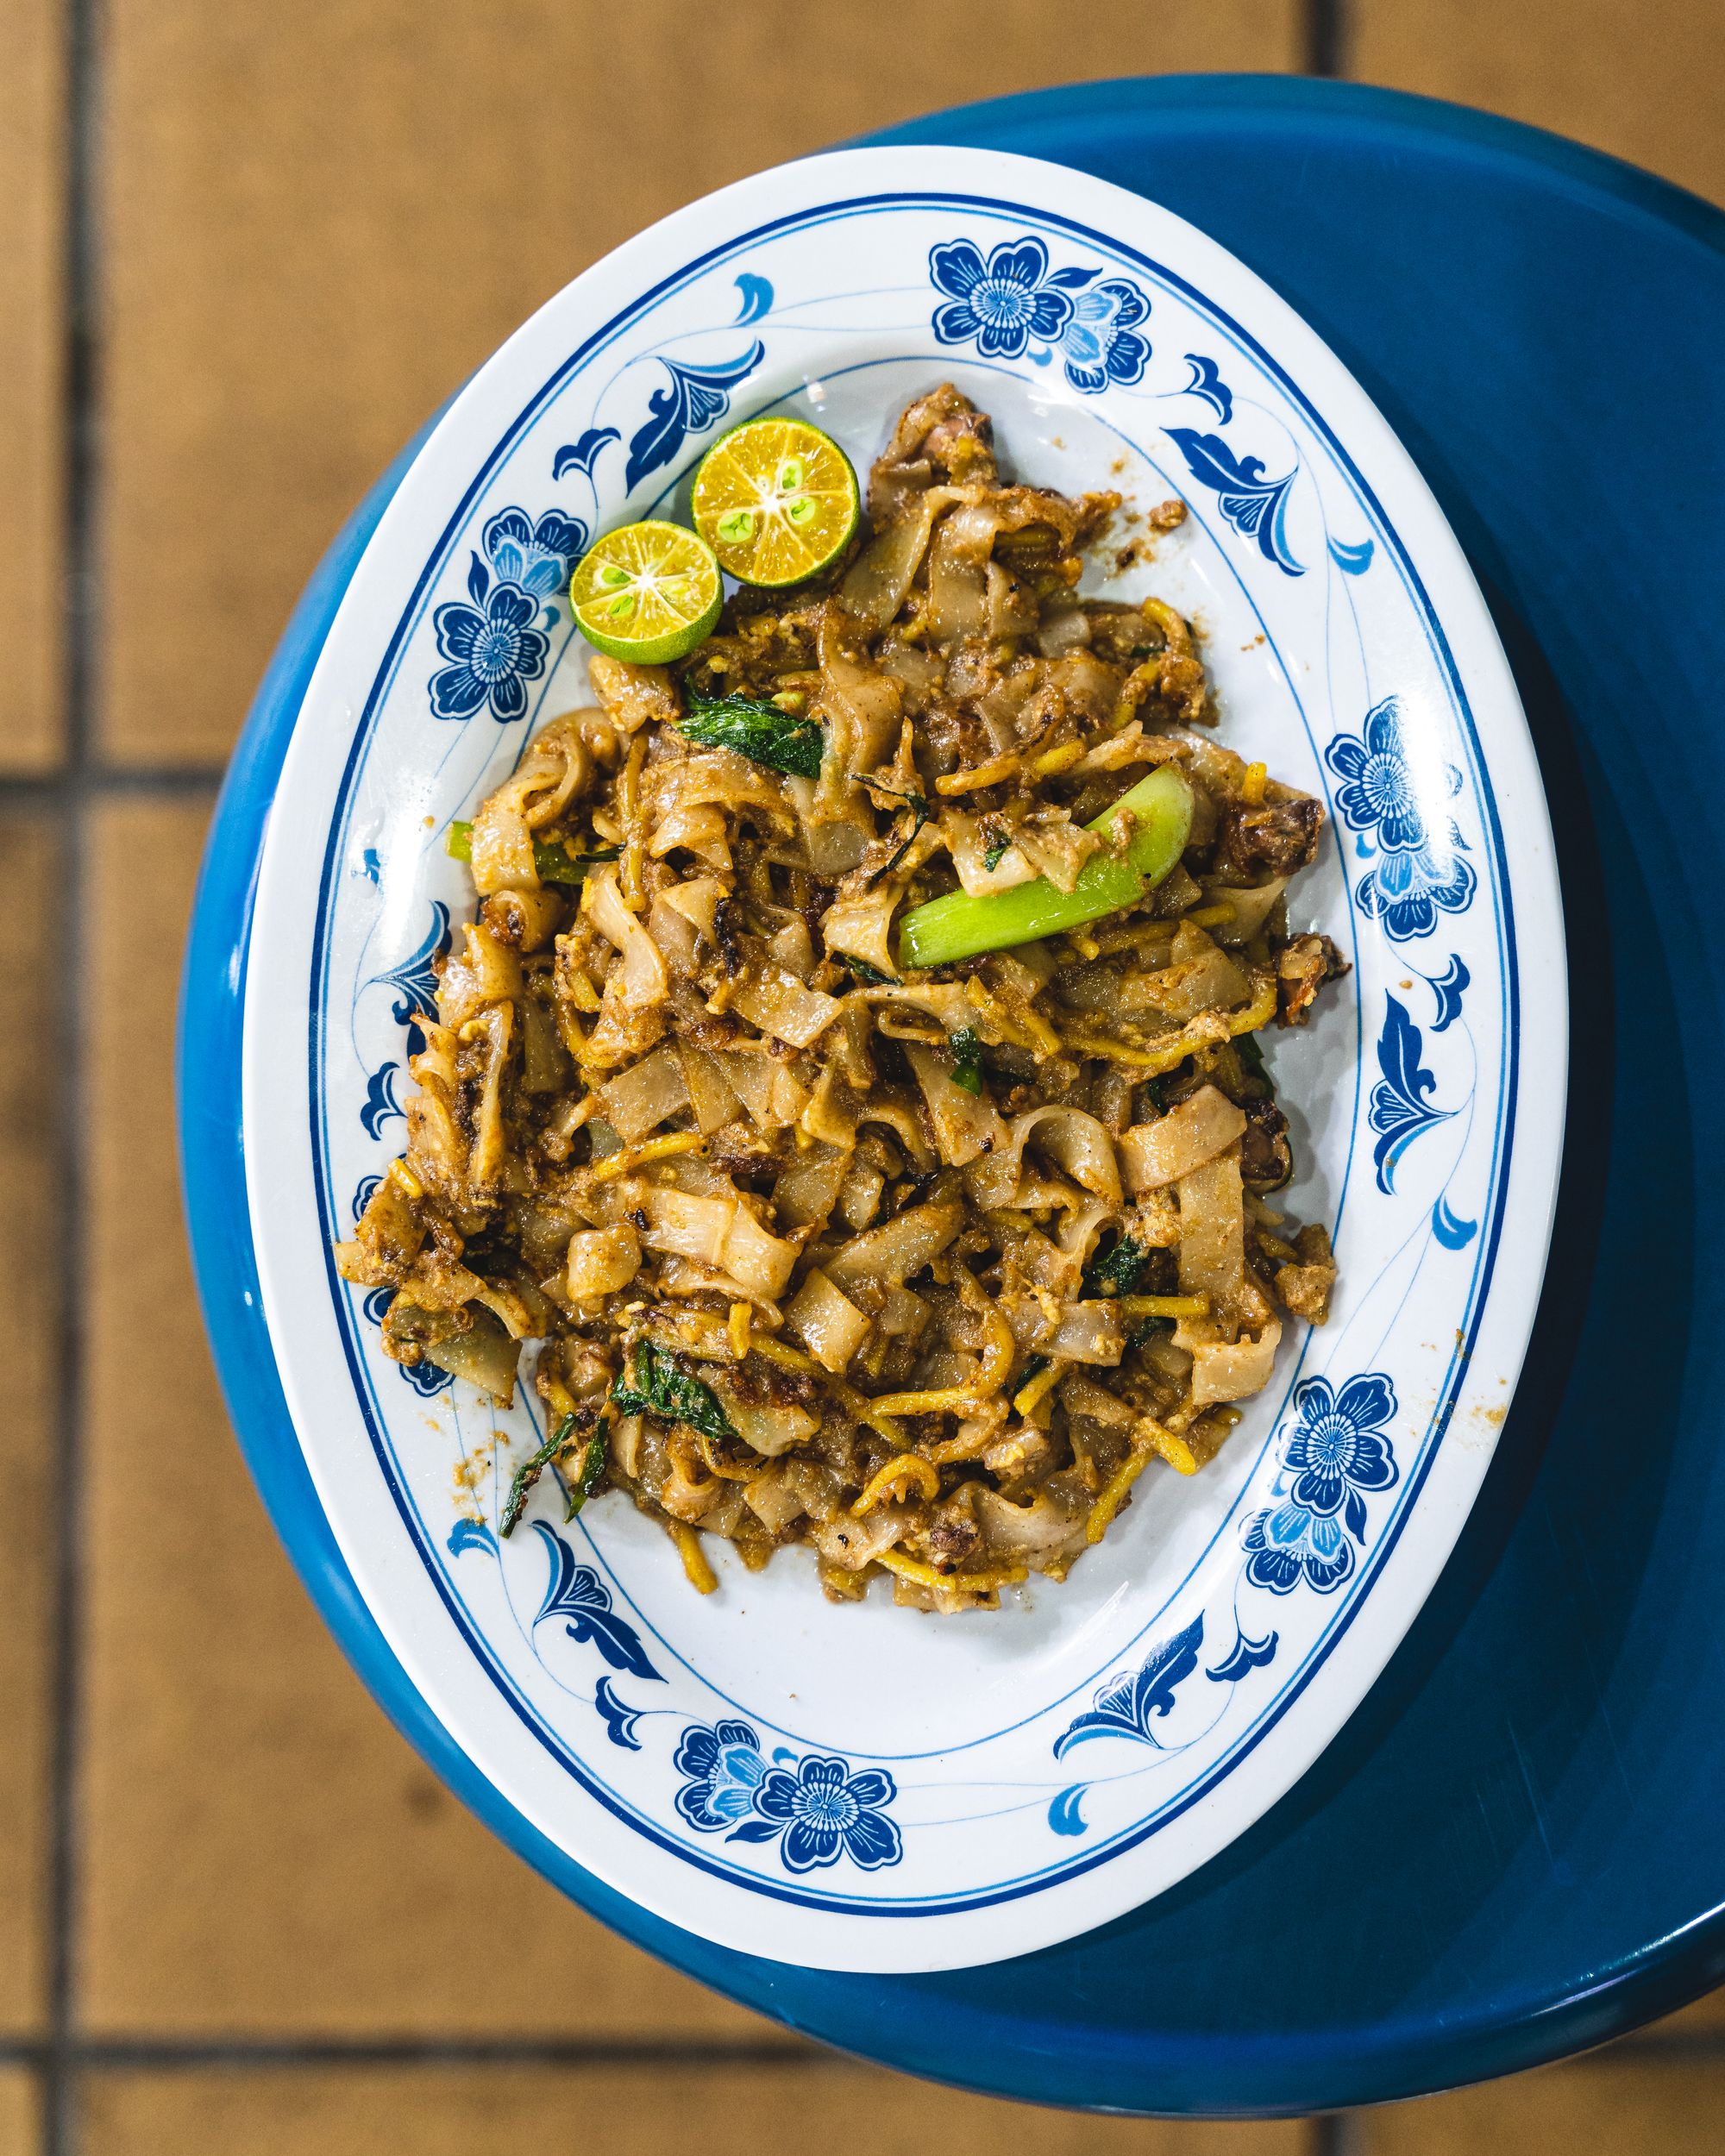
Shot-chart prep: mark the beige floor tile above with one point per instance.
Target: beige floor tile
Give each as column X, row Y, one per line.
column 32, row 194
column 1641, row 82
column 20, row 2131
column 1597, row 2108
column 323, row 217
column 630, row 2111
column 262, row 1853
column 29, row 1246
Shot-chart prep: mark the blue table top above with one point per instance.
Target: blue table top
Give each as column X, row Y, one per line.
column 1514, row 1848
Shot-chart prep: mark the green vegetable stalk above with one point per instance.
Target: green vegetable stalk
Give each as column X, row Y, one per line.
column 959, row 925
column 552, row 863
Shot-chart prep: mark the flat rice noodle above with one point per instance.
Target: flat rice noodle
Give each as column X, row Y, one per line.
column 601, row 1261
column 645, row 981
column 958, row 575
column 862, row 925
column 640, row 1098
column 1212, row 1231
column 1040, row 1532
column 716, row 1232
column 827, row 1322
column 1224, row 1371
column 876, row 583
column 1153, row 1155
column 1071, row 1138
column 769, row 1427
column 850, row 1542
column 835, row 829
column 1087, row 1332
column 902, row 1120
column 773, row 1097
column 555, row 768
column 968, row 841
column 860, row 705
column 701, row 830
column 491, row 1137
column 711, row 1093
column 780, row 1005
column 793, row 947
column 632, row 694
column 487, row 972
column 808, row 1190
column 772, row 1500
column 965, row 1123
column 718, row 777
column 1199, row 976
column 1253, row 906
column 899, row 1250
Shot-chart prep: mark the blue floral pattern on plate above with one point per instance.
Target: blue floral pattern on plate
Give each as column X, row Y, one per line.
column 538, row 556
column 493, row 651
column 815, row 1807
column 1335, row 1452
column 1013, row 301
column 1419, row 872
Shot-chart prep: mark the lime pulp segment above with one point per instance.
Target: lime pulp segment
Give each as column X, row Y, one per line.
column 648, row 592
column 777, row 500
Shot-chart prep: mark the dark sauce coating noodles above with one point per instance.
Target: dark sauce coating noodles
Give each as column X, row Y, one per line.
column 920, row 1267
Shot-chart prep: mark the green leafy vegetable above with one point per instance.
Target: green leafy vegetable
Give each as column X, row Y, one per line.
column 554, row 863
column 959, row 925
column 593, row 1466
column 966, row 1045
column 863, row 970
column 661, row 1388
column 1251, row 1056
column 1115, row 1272
column 761, row 732
column 1147, row 1330
column 996, row 852
column 530, row 1472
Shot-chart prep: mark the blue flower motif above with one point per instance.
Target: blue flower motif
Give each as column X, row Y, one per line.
column 1100, row 341
column 828, row 1812
column 493, row 653
column 538, row 557
column 1001, row 304
column 1287, row 1542
column 1336, row 1446
column 1419, row 872
column 724, row 1770
column 1335, row 1450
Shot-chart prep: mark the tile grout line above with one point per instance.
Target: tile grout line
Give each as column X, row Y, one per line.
column 81, row 389
column 122, row 2054
column 21, row 790
column 1326, row 37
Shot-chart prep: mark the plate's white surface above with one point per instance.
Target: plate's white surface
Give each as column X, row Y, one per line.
column 867, row 1788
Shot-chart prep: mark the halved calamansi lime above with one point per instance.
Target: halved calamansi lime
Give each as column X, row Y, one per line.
column 648, row 592
column 776, row 500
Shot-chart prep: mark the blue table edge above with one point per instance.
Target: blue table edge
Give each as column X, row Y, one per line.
column 1402, row 2061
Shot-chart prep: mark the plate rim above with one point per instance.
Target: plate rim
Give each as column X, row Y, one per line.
column 1319, row 1699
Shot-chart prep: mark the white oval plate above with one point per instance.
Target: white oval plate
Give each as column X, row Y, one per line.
column 867, row 1788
